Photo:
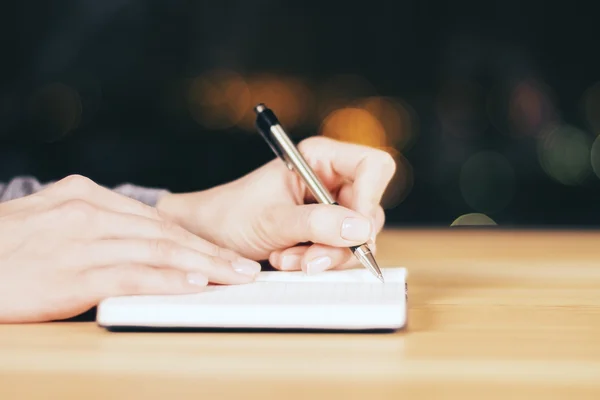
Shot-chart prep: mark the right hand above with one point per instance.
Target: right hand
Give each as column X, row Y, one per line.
column 67, row 247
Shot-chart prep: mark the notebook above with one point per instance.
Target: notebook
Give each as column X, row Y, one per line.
column 343, row 300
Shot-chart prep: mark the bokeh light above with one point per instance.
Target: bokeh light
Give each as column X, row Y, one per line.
column 530, row 108
column 523, row 108
column 290, row 98
column 474, row 219
column 595, row 156
column 355, row 125
column 396, row 117
column 564, row 154
column 373, row 121
column 591, row 107
column 55, row 110
column 366, row 125
column 487, row 182
column 401, row 183
column 218, row 99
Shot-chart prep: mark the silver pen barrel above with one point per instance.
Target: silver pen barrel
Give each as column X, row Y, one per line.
column 296, row 162
column 271, row 130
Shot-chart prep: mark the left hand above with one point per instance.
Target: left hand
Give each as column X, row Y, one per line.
column 266, row 214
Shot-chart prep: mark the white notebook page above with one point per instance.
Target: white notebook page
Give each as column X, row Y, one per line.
column 275, row 299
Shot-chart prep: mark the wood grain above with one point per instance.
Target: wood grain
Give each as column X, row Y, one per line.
column 493, row 314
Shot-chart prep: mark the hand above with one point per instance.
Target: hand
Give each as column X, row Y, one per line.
column 265, row 215
column 67, row 247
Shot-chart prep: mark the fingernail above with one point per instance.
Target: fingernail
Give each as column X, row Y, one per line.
column 197, row 279
column 318, row 265
column 246, row 267
column 356, row 229
column 290, row 262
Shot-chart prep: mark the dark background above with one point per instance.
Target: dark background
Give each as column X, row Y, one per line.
column 490, row 107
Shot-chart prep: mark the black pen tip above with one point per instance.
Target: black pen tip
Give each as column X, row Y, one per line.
column 260, row 108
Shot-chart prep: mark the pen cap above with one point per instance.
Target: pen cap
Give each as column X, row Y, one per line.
column 265, row 119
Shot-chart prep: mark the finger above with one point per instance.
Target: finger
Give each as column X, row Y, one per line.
column 289, row 259
column 379, row 219
column 318, row 258
column 163, row 254
column 137, row 279
column 294, row 258
column 318, row 223
column 315, row 258
column 87, row 221
column 368, row 168
column 114, row 225
column 309, row 258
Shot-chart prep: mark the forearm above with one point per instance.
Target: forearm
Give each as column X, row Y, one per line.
column 26, row 185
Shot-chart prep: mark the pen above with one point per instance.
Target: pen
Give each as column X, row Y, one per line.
column 269, row 127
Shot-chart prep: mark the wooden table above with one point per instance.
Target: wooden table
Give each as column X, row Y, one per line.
column 492, row 315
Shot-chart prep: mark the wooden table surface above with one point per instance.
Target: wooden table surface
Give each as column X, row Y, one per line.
column 493, row 314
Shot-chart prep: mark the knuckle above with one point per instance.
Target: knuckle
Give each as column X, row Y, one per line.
column 387, row 161
column 312, row 220
column 75, row 211
column 161, row 249
column 75, row 185
column 131, row 280
column 269, row 218
column 155, row 213
column 311, row 142
column 222, row 253
column 174, row 232
column 129, row 287
column 267, row 223
column 170, row 229
column 381, row 218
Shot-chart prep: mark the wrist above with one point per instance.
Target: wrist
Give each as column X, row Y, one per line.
column 198, row 212
column 168, row 204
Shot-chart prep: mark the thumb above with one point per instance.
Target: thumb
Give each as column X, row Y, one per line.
column 318, row 223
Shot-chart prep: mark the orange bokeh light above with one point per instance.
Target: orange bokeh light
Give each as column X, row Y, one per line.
column 354, row 125
column 218, row 99
column 401, row 183
column 376, row 123
column 288, row 97
column 395, row 118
